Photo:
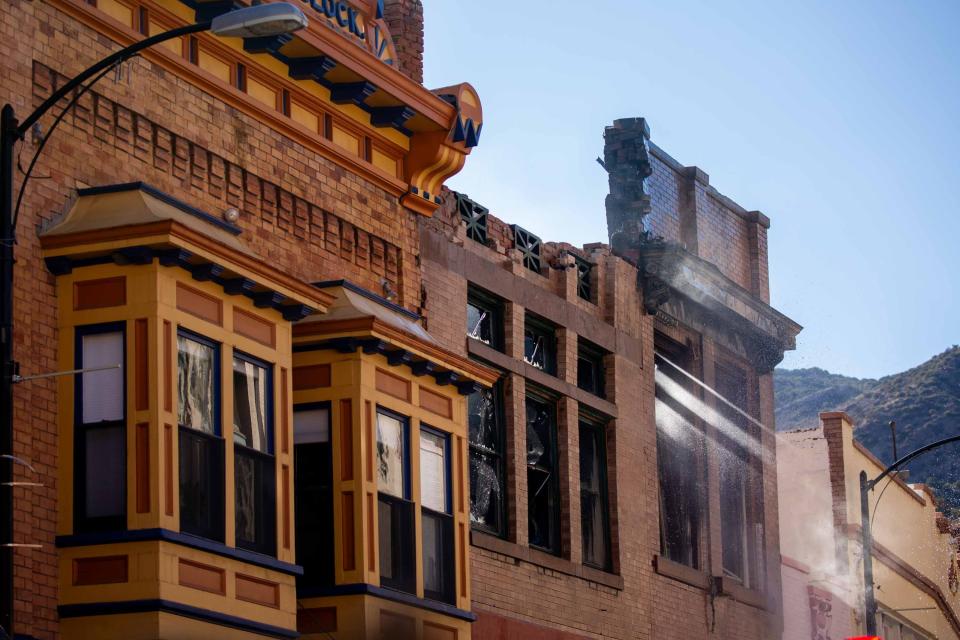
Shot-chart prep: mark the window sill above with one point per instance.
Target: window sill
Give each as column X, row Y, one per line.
column 740, row 593
column 681, row 572
column 545, row 560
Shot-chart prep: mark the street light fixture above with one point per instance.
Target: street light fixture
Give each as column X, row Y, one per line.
column 258, row 21
column 866, row 486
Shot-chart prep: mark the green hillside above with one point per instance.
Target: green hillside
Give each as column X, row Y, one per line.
column 924, row 401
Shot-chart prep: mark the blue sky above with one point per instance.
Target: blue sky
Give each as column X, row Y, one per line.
column 839, row 120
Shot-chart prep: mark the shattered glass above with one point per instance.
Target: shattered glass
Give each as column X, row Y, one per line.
column 486, row 475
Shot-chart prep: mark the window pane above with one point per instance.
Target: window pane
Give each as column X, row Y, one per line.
column 593, row 497
column 543, row 506
column 385, row 514
column 390, row 455
column 250, row 408
column 433, row 471
column 486, row 469
column 679, row 448
column 586, row 375
column 438, row 567
column 255, row 495
column 104, row 481
column 397, row 551
column 479, row 323
column 481, row 411
column 432, row 554
column 201, row 485
column 733, row 518
column 534, row 349
column 739, row 523
column 102, row 390
column 486, row 492
column 313, row 493
column 196, row 367
column 311, row 426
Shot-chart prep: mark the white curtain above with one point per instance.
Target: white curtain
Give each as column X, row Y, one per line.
column 433, row 472
column 102, row 390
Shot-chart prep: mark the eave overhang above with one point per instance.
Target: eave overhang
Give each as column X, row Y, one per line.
column 443, row 125
column 361, row 321
column 667, row 272
column 135, row 224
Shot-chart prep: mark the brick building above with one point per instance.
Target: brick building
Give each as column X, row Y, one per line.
column 442, row 426
column 623, row 469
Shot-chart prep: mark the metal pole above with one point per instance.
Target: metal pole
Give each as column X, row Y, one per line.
column 8, row 137
column 869, row 599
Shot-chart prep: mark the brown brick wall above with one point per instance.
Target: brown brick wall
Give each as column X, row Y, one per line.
column 299, row 211
column 405, row 19
column 519, row 592
column 686, row 209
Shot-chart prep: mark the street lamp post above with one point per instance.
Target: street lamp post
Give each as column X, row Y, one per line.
column 866, row 486
column 261, row 20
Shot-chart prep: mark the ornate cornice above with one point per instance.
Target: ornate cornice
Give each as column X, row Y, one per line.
column 695, row 288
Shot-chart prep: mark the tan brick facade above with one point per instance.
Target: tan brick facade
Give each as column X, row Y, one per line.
column 316, row 220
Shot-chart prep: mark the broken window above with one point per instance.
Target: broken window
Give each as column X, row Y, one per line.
column 100, row 438
column 395, row 509
column 590, row 371
column 584, row 277
column 313, row 494
column 484, row 318
column 201, row 446
column 594, row 503
column 487, row 494
column 255, row 495
column 739, row 447
column 540, row 344
column 543, row 487
column 679, row 459
column 436, row 516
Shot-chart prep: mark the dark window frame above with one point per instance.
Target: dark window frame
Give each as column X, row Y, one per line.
column 266, row 467
column 697, row 503
column 216, row 472
column 551, row 483
column 598, row 430
column 403, row 531
column 493, row 306
column 447, row 593
column 498, row 454
column 594, row 357
column 81, row 522
column 538, row 327
column 326, row 577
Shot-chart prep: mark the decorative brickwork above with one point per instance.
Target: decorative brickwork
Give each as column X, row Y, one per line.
column 278, row 211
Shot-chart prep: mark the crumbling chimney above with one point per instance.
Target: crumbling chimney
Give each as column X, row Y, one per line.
column 626, row 157
column 405, row 20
